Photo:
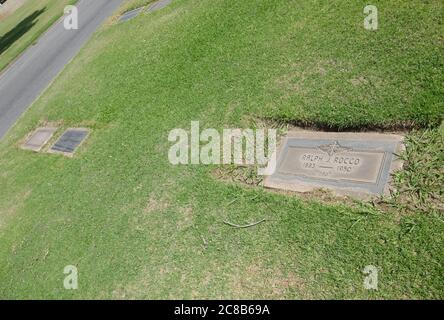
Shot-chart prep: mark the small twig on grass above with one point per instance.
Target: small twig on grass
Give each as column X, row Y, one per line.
column 231, row 202
column 204, row 242
column 245, row 226
column 356, row 221
column 46, row 254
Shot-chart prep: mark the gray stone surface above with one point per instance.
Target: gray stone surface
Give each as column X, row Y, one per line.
column 356, row 164
column 70, row 141
column 37, row 140
column 158, row 5
column 130, row 14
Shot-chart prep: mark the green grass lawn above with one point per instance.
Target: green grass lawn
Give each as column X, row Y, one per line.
column 136, row 226
column 24, row 26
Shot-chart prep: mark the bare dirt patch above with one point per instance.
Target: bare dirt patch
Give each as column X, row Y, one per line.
column 156, row 204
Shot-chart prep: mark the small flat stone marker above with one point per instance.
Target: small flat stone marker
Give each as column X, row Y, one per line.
column 38, row 139
column 158, row 5
column 130, row 14
column 70, row 141
column 356, row 164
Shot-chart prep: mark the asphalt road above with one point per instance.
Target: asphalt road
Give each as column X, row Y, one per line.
column 34, row 70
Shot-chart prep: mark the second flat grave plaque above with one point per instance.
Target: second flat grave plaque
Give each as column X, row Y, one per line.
column 158, row 5
column 130, row 14
column 70, row 141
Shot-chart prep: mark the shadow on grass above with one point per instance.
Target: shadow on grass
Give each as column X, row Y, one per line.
column 19, row 30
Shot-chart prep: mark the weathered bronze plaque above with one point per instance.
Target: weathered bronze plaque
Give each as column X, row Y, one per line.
column 70, row 141
column 38, row 139
column 358, row 164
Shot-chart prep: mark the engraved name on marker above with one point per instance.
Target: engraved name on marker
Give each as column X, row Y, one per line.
column 339, row 163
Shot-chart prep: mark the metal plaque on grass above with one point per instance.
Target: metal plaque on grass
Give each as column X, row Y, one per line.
column 38, row 139
column 158, row 5
column 130, row 14
column 70, row 141
column 357, row 164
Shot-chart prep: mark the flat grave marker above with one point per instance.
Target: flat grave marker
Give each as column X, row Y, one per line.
column 70, row 141
column 355, row 164
column 38, row 139
column 158, row 5
column 130, row 14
